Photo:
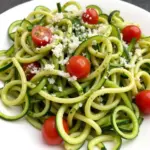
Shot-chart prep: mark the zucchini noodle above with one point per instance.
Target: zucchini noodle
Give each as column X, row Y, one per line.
column 99, row 107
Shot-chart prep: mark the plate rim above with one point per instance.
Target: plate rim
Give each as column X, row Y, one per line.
column 32, row 1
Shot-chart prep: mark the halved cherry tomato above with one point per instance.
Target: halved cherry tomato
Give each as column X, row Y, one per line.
column 143, row 101
column 78, row 66
column 49, row 131
column 130, row 32
column 41, row 36
column 30, row 69
column 90, row 16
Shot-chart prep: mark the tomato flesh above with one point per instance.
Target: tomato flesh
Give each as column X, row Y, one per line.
column 78, row 66
column 130, row 32
column 143, row 101
column 49, row 131
column 41, row 36
column 90, row 16
column 30, row 69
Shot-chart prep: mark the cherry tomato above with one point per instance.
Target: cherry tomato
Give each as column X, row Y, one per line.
column 90, row 16
column 78, row 66
column 49, row 131
column 130, row 32
column 30, row 69
column 143, row 101
column 41, row 36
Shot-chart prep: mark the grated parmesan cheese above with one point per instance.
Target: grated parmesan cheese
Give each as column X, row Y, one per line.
column 46, row 38
column 73, row 44
column 64, row 27
column 138, row 52
column 57, row 17
column 51, row 80
column 102, row 28
column 82, row 28
column 63, row 62
column 92, row 32
column 101, row 99
column 102, row 87
column 84, row 35
column 137, row 45
column 53, row 94
column 125, row 44
column 130, row 54
column 101, row 104
column 34, row 70
column 123, row 61
column 45, row 88
column 86, row 15
column 52, row 29
column 64, row 74
column 80, row 104
column 73, row 78
column 105, row 77
column 56, row 37
column 60, row 89
column 83, row 54
column 49, row 67
column 57, row 50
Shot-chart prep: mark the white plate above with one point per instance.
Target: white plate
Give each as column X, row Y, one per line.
column 20, row 135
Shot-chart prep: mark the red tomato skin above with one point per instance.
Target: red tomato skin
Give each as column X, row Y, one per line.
column 143, row 101
column 41, row 36
column 49, row 131
column 130, row 32
column 78, row 66
column 90, row 16
column 28, row 69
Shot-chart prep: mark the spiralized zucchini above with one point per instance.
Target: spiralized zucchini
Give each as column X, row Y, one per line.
column 99, row 107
